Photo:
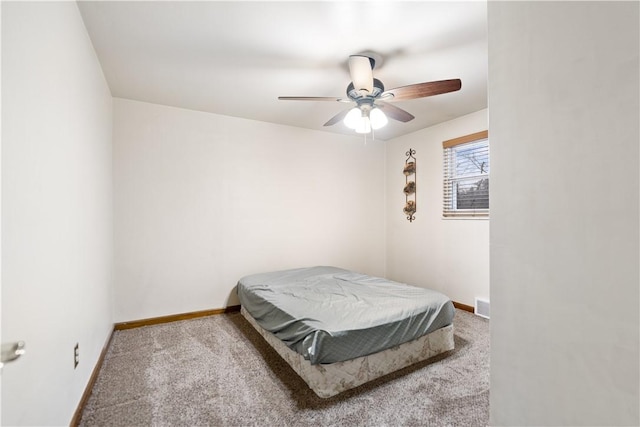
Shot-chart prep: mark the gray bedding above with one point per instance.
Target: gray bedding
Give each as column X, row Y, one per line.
column 329, row 314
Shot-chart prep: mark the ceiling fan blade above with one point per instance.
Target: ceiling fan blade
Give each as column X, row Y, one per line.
column 395, row 112
column 361, row 71
column 311, row 98
column 338, row 117
column 422, row 90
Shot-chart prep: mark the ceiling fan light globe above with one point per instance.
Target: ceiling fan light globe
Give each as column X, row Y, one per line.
column 364, row 126
column 378, row 118
column 353, row 118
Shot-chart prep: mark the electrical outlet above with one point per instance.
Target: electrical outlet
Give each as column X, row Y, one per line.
column 76, row 356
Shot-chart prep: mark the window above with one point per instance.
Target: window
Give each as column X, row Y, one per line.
column 466, row 176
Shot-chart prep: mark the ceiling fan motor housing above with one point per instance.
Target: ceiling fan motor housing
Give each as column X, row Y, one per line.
column 355, row 95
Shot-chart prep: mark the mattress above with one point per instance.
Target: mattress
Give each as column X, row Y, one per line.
column 329, row 315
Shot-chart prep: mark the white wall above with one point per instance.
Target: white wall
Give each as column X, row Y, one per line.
column 564, row 108
column 202, row 200
column 1, row 206
column 428, row 251
column 56, row 209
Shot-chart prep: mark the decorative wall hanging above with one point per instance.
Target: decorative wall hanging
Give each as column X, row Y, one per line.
column 410, row 185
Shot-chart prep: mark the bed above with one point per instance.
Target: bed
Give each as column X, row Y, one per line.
column 339, row 329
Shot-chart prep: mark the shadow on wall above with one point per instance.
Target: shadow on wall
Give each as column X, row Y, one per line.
column 232, row 298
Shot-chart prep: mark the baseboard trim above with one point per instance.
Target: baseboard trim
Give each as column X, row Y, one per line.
column 174, row 318
column 230, row 309
column 464, row 307
column 75, row 421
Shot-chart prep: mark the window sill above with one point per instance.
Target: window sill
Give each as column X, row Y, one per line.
column 467, row 217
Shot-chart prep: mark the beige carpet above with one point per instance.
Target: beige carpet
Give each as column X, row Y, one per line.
column 217, row 371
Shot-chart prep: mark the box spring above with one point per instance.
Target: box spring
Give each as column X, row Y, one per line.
column 328, row 380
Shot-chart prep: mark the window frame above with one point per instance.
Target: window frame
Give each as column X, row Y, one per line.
column 448, row 211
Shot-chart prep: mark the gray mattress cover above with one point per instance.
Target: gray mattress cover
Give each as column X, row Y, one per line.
column 329, row 314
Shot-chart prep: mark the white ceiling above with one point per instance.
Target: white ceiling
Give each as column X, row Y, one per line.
column 235, row 58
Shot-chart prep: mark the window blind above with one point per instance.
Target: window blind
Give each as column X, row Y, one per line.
column 466, row 176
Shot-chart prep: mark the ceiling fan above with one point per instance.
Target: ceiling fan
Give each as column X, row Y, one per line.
column 371, row 99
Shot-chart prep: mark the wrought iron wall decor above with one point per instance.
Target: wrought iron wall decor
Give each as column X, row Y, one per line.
column 410, row 185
